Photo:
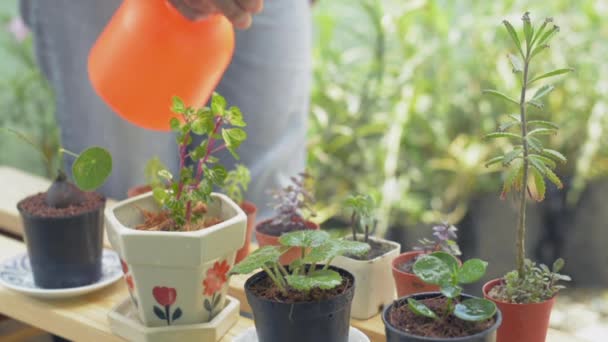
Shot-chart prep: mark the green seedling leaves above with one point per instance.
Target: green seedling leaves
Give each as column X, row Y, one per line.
column 333, row 248
column 551, row 74
column 513, row 34
column 451, row 291
column 500, row 95
column 432, row 270
column 420, row 309
column 236, row 183
column 475, row 309
column 471, row 271
column 92, row 167
column 260, row 257
column 218, row 103
column 323, row 279
column 304, row 238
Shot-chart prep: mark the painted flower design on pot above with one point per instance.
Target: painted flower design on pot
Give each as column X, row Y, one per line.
column 129, row 281
column 166, row 296
column 216, row 277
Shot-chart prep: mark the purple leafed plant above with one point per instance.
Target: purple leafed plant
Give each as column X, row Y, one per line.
column 444, row 239
column 293, row 203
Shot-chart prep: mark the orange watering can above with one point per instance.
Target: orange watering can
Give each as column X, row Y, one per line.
column 149, row 53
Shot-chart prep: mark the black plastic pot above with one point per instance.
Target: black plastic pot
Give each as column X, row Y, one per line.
column 395, row 335
column 64, row 252
column 301, row 322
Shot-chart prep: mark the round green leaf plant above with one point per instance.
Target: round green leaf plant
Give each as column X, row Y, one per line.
column 442, row 269
column 305, row 273
column 529, row 162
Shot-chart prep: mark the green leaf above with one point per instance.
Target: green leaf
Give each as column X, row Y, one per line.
column 546, row 124
column 260, row 257
column 448, row 259
column 494, row 161
column 542, row 131
column 546, row 37
column 514, row 36
column 538, row 165
column 534, row 144
column 233, row 137
column 216, row 174
column 153, row 166
column 516, row 62
column 451, row 291
column 515, row 117
column 175, row 124
column 432, row 270
column 471, row 271
column 495, row 135
column 160, row 195
column 528, row 29
column 511, row 155
column 92, row 167
column 535, row 103
column 165, row 174
column 515, row 172
column 506, row 125
column 475, row 309
column 542, row 91
column 554, row 178
column 218, row 103
column 177, row 106
column 304, row 238
column 420, row 309
column 540, row 31
column 548, row 162
column 336, row 247
column 235, row 117
column 539, row 184
column 551, row 74
column 555, row 155
column 500, row 95
column 558, row 265
column 323, row 279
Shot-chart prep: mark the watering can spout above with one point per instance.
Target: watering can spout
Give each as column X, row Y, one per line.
column 149, row 52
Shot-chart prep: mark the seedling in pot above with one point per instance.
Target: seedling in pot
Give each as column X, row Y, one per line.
column 443, row 239
column 184, row 201
column 90, row 170
column 306, row 273
column 529, row 163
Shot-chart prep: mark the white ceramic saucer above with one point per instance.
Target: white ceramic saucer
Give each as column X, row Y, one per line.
column 250, row 335
column 16, row 274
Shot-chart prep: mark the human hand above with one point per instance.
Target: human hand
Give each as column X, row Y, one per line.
column 239, row 12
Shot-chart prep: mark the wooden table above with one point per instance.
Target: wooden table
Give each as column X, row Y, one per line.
column 84, row 319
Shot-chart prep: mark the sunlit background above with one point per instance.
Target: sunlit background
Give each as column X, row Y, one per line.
column 397, row 110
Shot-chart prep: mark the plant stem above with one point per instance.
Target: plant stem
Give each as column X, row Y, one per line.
column 283, row 270
column 312, row 267
column 366, row 233
column 275, row 279
column 354, row 225
column 521, row 227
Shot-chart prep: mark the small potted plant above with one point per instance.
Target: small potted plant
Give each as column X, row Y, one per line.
column 293, row 205
column 307, row 300
column 151, row 174
column 444, row 239
column 448, row 315
column 372, row 269
column 235, row 184
column 63, row 226
column 526, row 296
column 179, row 241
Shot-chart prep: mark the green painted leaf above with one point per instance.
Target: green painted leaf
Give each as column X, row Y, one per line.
column 176, row 314
column 92, row 167
column 471, row 271
column 335, row 247
column 475, row 309
column 514, row 36
column 304, row 238
column 323, row 279
column 451, row 291
column 495, row 135
column 555, row 155
column 420, row 309
column 260, row 257
column 159, row 313
column 539, row 183
column 500, row 95
column 551, row 74
column 432, row 270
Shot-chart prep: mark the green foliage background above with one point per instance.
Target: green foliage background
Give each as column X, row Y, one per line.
column 397, row 109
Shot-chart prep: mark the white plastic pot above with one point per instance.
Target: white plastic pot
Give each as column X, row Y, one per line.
column 176, row 278
column 374, row 285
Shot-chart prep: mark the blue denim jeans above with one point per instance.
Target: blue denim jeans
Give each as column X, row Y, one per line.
column 269, row 79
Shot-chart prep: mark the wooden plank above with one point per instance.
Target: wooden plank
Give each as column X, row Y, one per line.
column 79, row 319
column 14, row 331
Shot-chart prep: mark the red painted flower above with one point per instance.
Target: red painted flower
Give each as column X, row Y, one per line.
column 130, row 284
column 165, row 296
column 125, row 268
column 216, row 277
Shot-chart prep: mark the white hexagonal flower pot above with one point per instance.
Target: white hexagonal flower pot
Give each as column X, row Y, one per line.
column 176, row 277
column 374, row 285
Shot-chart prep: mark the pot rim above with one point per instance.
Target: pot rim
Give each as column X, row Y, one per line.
column 29, row 215
column 248, row 207
column 394, row 244
column 124, row 230
column 256, row 276
column 490, row 284
column 388, row 325
column 313, row 226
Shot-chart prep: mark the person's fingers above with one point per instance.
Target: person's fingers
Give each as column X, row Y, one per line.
column 251, row 6
column 239, row 17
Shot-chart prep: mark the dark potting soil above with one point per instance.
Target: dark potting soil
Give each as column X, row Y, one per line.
column 378, row 248
column 406, row 320
column 266, row 288
column 36, row 206
column 278, row 229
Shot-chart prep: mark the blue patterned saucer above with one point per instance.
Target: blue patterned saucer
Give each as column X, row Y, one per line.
column 16, row 274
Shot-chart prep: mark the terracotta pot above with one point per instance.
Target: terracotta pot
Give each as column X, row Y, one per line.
column 521, row 322
column 138, row 190
column 269, row 240
column 251, row 211
column 409, row 283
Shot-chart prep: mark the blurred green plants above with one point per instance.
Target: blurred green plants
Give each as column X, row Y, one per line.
column 397, row 106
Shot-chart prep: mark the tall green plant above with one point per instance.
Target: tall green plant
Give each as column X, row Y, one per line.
column 529, row 163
